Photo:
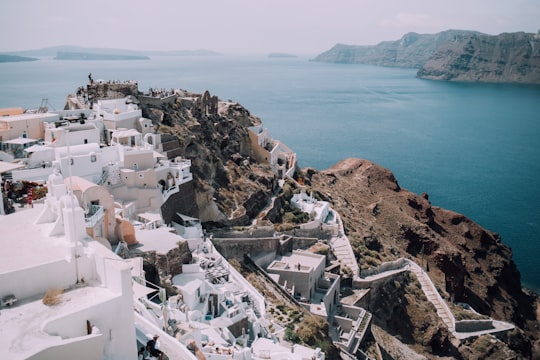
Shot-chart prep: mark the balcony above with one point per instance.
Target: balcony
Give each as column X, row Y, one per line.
column 94, row 215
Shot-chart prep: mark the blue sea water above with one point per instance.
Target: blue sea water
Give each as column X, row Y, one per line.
column 474, row 148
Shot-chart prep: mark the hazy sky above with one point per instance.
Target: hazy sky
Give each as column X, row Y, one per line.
column 249, row 26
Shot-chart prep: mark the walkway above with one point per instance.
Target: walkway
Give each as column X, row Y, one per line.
column 433, row 295
column 342, row 248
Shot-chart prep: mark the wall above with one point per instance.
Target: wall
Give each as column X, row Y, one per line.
column 474, row 325
column 156, row 101
column 35, row 281
column 329, row 298
column 237, row 247
column 88, row 347
column 260, row 154
column 143, row 158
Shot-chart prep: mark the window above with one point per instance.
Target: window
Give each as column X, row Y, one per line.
column 135, row 166
column 93, row 158
column 71, row 161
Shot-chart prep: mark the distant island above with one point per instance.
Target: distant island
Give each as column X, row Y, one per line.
column 456, row 55
column 281, row 55
column 54, row 50
column 4, row 58
column 66, row 55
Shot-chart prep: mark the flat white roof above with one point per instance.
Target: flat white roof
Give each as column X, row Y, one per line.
column 306, row 260
column 21, row 334
column 26, row 116
column 7, row 167
column 187, row 283
column 162, row 240
column 20, row 141
column 25, row 244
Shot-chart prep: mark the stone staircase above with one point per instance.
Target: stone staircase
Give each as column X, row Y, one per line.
column 433, row 296
column 342, row 249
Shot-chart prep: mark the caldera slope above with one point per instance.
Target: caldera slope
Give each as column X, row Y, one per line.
column 468, row 263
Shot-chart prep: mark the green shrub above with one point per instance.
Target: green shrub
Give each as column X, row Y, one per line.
column 291, row 335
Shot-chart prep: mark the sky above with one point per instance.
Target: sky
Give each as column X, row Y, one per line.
column 249, row 26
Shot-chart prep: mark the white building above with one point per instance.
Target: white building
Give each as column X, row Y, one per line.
column 302, row 274
column 122, row 114
column 70, row 296
column 318, row 210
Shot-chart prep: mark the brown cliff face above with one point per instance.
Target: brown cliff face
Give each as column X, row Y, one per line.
column 467, row 262
column 230, row 188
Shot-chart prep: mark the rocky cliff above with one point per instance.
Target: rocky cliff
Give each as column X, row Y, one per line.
column 230, row 188
column 468, row 263
column 411, row 51
column 478, row 57
column 456, row 55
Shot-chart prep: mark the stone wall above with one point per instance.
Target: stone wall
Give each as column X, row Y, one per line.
column 238, row 247
column 474, row 325
column 157, row 101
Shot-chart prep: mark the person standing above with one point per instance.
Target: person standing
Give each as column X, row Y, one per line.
column 152, row 346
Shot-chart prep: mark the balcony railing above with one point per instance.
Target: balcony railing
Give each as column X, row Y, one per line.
column 94, row 214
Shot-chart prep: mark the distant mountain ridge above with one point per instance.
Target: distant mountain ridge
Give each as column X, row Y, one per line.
column 458, row 55
column 68, row 55
column 54, row 50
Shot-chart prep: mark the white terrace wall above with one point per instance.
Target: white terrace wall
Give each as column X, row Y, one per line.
column 88, row 347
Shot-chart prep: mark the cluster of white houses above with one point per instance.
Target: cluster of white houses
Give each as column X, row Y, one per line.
column 65, row 291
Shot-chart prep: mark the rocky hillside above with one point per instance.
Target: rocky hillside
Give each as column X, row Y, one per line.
column 231, row 189
column 468, row 263
column 457, row 55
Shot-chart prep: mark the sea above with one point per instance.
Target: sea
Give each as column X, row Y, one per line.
column 473, row 148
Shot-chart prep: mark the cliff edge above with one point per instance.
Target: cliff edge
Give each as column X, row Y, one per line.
column 469, row 264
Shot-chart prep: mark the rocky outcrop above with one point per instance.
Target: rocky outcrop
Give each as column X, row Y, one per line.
column 467, row 263
column 455, row 55
column 230, row 187
column 478, row 57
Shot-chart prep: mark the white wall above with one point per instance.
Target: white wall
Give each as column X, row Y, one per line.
column 34, row 281
column 88, row 347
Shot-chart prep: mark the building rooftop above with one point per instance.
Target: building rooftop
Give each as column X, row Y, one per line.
column 23, row 327
column 25, row 244
column 161, row 240
column 302, row 261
